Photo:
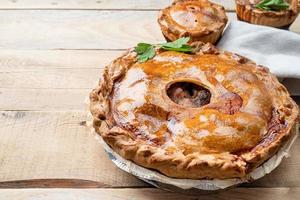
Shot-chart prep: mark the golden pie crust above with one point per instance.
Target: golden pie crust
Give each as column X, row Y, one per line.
column 246, row 11
column 248, row 117
column 200, row 20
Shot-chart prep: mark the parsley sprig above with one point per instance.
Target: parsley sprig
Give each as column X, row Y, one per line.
column 273, row 5
column 146, row 51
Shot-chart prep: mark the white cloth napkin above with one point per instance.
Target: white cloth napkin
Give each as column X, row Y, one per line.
column 277, row 49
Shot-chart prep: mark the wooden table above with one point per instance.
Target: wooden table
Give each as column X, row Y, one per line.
column 51, row 54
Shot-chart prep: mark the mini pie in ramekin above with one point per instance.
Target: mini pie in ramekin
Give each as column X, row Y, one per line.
column 246, row 11
column 200, row 20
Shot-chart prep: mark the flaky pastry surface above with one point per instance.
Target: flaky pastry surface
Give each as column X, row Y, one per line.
column 248, row 117
column 201, row 20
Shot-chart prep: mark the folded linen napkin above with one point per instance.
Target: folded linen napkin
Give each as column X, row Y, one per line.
column 277, row 49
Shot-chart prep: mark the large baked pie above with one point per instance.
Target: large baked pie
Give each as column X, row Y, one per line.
column 209, row 114
column 200, row 20
column 273, row 13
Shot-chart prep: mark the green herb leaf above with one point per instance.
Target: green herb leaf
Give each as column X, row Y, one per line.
column 150, row 53
column 273, row 5
column 183, row 48
column 179, row 45
column 146, row 51
column 142, row 47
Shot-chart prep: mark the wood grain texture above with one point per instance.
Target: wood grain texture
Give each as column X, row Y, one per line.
column 53, row 69
column 292, row 85
column 37, row 145
column 295, row 27
column 97, row 4
column 58, row 145
column 51, row 79
column 52, row 183
column 78, row 29
column 54, row 148
column 32, row 60
column 148, row 194
column 14, row 99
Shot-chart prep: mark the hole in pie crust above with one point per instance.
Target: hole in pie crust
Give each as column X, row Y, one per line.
column 188, row 94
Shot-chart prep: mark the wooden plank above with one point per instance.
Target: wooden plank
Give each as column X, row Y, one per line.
column 43, row 99
column 51, row 78
column 94, row 4
column 68, row 78
column 27, row 77
column 52, row 183
column 78, row 29
column 50, row 69
column 55, row 145
column 58, row 145
column 229, row 5
column 30, row 60
column 293, row 85
column 16, row 63
column 295, row 27
column 148, row 194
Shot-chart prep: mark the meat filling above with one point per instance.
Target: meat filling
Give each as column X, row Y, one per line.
column 189, row 94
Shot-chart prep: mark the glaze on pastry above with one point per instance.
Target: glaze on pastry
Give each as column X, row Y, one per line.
column 200, row 20
column 246, row 11
column 206, row 115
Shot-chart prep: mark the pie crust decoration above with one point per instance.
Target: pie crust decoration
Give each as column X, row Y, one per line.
column 211, row 114
column 246, row 11
column 200, row 20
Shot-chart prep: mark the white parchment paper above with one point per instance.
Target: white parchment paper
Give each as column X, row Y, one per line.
column 153, row 177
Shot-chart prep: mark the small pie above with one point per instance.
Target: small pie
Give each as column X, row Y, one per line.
column 250, row 11
column 209, row 114
column 200, row 20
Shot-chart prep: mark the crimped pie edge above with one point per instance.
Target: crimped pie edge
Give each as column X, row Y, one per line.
column 267, row 18
column 178, row 166
column 172, row 33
